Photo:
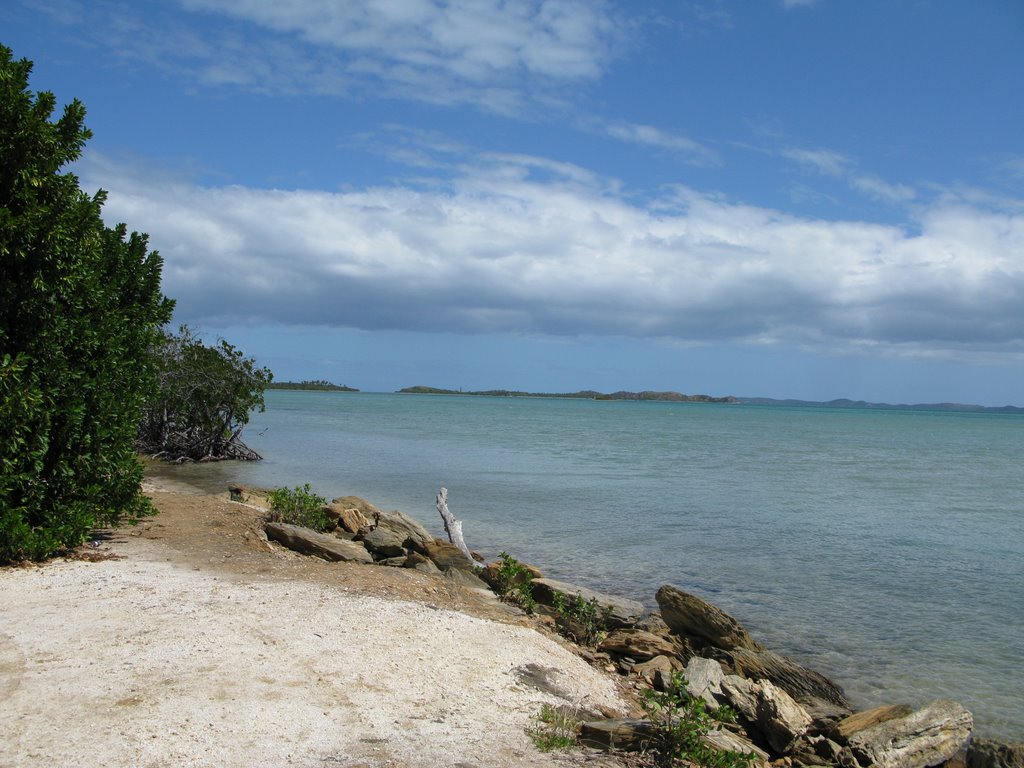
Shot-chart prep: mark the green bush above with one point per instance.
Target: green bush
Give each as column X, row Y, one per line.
column 515, row 583
column 582, row 621
column 299, row 506
column 80, row 308
column 679, row 721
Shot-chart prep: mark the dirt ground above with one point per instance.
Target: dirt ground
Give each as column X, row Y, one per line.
column 189, row 640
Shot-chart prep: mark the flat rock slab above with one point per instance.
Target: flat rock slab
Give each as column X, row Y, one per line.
column 637, row 644
column 322, row 545
column 624, row 612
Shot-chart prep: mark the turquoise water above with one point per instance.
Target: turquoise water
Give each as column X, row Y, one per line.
column 884, row 548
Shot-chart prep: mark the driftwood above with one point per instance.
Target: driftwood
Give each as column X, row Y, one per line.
column 452, row 526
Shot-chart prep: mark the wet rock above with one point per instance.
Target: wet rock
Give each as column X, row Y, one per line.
column 636, row 644
column 929, row 736
column 690, row 616
column 322, row 545
column 623, row 612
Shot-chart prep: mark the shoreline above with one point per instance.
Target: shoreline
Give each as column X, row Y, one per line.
column 197, row 642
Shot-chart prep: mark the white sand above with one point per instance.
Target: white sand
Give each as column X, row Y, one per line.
column 137, row 662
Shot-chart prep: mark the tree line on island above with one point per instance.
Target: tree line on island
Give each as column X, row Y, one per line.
column 586, row 394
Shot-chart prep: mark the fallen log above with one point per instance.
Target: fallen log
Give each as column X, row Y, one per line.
column 452, row 526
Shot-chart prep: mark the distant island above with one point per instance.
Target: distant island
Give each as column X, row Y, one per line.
column 864, row 405
column 317, row 386
column 586, row 394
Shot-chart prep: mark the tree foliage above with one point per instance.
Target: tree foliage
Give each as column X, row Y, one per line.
column 80, row 308
column 202, row 400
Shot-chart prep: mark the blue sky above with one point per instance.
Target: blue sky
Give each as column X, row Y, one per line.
column 784, row 198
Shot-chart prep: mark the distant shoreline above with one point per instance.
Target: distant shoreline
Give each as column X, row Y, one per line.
column 672, row 397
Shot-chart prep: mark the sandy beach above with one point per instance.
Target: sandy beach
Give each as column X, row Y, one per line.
column 190, row 641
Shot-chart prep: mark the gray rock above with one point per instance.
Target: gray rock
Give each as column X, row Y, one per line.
column 740, row 695
column 727, row 741
column 421, row 563
column 384, row 542
column 690, row 616
column 658, row 670
column 986, row 753
column 322, row 545
column 624, row 612
column 926, row 737
column 409, row 532
column 704, row 680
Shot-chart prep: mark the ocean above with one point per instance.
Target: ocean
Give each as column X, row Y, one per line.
column 883, row 548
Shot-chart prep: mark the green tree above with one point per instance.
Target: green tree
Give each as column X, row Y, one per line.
column 80, row 308
column 202, row 400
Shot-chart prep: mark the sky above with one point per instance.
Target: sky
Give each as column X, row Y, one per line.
column 784, row 198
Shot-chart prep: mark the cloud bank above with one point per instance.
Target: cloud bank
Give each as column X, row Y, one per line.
column 521, row 244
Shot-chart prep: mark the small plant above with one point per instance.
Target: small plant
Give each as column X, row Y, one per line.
column 556, row 729
column 515, row 583
column 298, row 506
column 678, row 724
column 582, row 621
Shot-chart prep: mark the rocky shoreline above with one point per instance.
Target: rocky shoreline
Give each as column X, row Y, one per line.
column 788, row 715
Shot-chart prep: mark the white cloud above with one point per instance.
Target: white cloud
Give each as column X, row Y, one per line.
column 524, row 244
column 646, row 135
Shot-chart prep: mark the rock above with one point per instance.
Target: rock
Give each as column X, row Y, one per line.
column 740, row 695
column 446, row 555
column 624, row 612
column 779, row 718
column 869, row 718
column 813, row 690
column 410, row 533
column 421, row 563
column 986, row 753
column 729, row 741
column 384, row 542
column 929, row 736
column 255, row 497
column 690, row 616
column 626, row 735
column 636, row 644
column 349, row 518
column 465, row 579
column 637, row 735
column 310, row 542
column 704, row 680
column 658, row 670
column 394, row 562
column 365, row 508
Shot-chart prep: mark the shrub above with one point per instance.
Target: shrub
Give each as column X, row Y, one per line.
column 515, row 583
column 80, row 307
column 299, row 506
column 582, row 621
column 556, row 729
column 679, row 721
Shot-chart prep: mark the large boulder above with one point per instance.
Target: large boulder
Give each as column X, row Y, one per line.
column 986, row 753
column 401, row 526
column 365, row 508
column 349, row 518
column 446, row 555
column 622, row 611
column 322, row 545
column 384, row 542
column 813, row 690
column 779, row 717
column 690, row 616
column 926, row 737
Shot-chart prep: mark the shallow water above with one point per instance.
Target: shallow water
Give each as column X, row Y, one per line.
column 885, row 548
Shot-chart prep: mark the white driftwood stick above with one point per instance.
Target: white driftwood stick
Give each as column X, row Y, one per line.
column 452, row 526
